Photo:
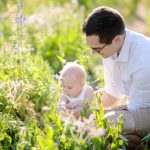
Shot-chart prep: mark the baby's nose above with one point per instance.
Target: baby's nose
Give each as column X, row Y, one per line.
column 65, row 90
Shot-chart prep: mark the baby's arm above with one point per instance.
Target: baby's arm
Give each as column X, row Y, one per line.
column 63, row 101
column 89, row 95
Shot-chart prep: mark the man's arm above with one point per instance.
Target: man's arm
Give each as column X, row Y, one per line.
column 108, row 100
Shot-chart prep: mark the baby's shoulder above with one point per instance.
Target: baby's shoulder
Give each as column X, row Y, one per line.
column 64, row 97
column 89, row 88
column 89, row 93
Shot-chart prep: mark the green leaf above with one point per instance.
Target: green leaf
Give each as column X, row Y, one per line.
column 146, row 138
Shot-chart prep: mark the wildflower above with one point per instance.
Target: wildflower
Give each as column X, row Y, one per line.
column 63, row 136
column 31, row 49
column 23, row 49
column 0, row 35
column 20, row 20
column 20, row 5
column 68, row 121
column 74, row 2
column 23, row 130
column 52, row 88
column 45, row 108
column 79, row 124
column 101, row 132
column 72, row 128
column 92, row 133
column 92, row 117
column 90, row 121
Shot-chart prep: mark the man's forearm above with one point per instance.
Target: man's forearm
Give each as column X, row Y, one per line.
column 117, row 108
column 108, row 100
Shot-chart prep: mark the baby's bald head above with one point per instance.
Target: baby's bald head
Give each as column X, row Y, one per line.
column 74, row 72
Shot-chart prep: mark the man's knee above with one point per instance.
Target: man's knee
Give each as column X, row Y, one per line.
column 128, row 121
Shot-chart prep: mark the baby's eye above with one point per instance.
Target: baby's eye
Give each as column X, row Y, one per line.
column 69, row 88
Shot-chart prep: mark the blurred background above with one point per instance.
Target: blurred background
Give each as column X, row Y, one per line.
column 52, row 29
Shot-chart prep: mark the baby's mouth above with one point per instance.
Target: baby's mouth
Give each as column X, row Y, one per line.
column 68, row 94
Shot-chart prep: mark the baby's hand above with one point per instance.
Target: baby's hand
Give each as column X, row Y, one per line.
column 63, row 104
column 71, row 105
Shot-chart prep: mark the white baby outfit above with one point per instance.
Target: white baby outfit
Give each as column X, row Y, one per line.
column 80, row 97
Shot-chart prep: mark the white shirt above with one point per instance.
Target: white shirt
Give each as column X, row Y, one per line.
column 129, row 73
column 80, row 97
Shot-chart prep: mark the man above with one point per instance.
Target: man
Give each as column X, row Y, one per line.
column 126, row 60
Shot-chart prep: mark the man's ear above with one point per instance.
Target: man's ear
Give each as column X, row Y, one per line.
column 117, row 38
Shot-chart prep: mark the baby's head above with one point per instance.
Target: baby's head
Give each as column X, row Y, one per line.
column 72, row 78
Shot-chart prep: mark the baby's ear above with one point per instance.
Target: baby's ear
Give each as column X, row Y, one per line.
column 82, row 83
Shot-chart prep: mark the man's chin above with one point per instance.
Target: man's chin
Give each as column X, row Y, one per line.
column 105, row 56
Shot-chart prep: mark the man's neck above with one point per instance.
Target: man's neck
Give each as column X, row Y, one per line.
column 121, row 43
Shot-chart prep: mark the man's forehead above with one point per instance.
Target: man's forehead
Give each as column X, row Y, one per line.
column 92, row 40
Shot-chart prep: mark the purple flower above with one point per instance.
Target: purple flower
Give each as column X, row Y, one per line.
column 20, row 5
column 101, row 132
column 0, row 35
column 92, row 117
column 20, row 20
column 79, row 124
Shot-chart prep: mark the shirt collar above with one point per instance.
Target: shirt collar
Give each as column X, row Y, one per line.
column 125, row 51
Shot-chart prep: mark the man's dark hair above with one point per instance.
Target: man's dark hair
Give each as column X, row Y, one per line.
column 104, row 22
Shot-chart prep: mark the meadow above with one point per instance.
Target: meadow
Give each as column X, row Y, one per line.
column 37, row 37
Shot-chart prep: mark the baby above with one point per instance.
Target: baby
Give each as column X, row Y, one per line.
column 75, row 91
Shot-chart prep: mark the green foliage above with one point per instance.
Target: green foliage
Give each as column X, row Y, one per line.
column 145, row 142
column 5, row 5
column 23, row 80
column 28, row 91
column 85, row 133
column 28, row 100
column 9, row 130
column 6, row 28
column 52, row 46
column 46, row 141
